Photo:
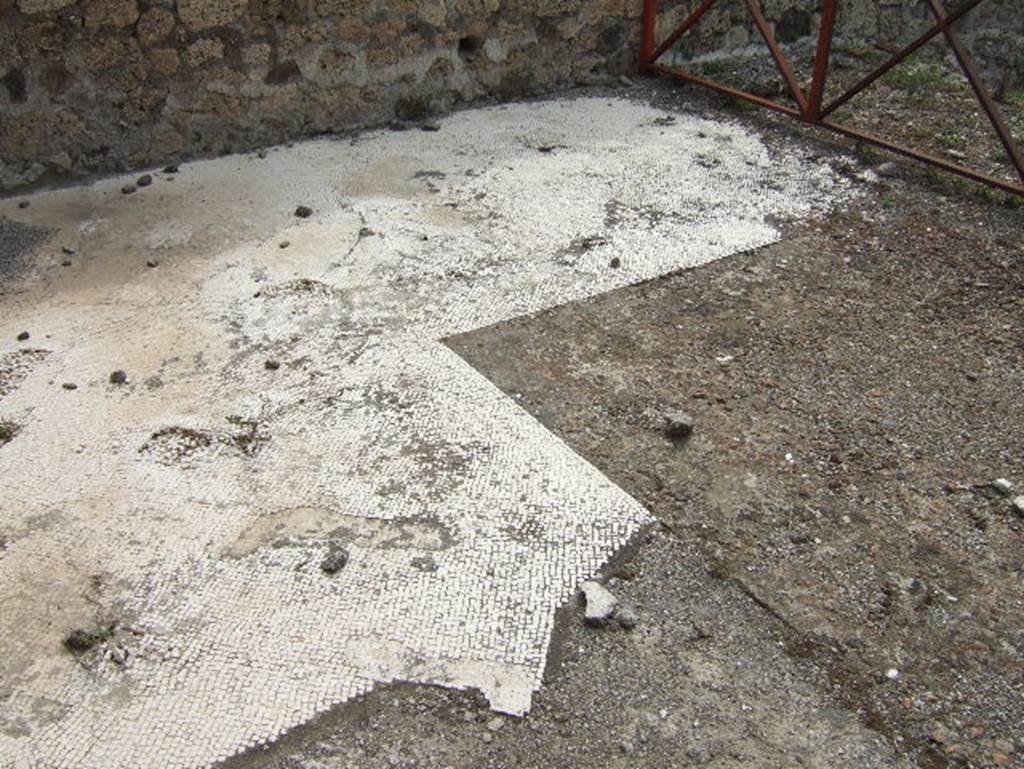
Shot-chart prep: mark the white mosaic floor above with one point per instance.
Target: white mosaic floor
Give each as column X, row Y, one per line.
column 194, row 504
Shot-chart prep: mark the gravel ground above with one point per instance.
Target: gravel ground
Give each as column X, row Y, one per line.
column 833, row 580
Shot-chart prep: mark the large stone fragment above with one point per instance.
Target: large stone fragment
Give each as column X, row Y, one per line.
column 600, row 603
column 43, row 6
column 198, row 15
column 110, row 13
column 155, row 25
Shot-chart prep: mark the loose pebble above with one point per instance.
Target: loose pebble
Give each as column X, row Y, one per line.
column 334, row 562
column 1002, row 486
column 679, row 426
column 600, row 603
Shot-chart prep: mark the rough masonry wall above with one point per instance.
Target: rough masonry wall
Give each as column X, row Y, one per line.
column 105, row 85
column 91, row 86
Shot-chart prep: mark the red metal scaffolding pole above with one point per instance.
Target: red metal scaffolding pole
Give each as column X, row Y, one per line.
column 810, row 107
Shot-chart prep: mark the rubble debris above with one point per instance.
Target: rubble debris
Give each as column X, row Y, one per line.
column 679, row 426
column 1002, row 486
column 887, row 169
column 335, row 561
column 120, row 657
column 600, row 603
column 79, row 640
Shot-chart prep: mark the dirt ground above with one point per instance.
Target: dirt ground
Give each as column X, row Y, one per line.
column 834, row 581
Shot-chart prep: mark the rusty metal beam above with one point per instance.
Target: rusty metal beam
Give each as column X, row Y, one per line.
column 681, row 30
column 785, row 68
column 984, row 97
column 810, row 105
column 898, row 58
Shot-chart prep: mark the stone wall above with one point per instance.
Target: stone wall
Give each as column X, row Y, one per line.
column 106, row 85
column 91, row 86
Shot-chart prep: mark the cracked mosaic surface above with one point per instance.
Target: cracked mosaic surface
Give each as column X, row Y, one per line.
column 187, row 512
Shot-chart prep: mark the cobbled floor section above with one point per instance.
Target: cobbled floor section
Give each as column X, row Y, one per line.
column 296, row 491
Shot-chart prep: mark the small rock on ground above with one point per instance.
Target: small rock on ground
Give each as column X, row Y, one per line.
column 118, row 377
column 272, row 365
column 303, row 212
column 144, row 181
column 128, row 189
column 82, row 640
column 600, row 603
column 887, row 169
column 23, row 336
column 334, row 562
column 1018, row 505
column 1002, row 486
column 679, row 426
